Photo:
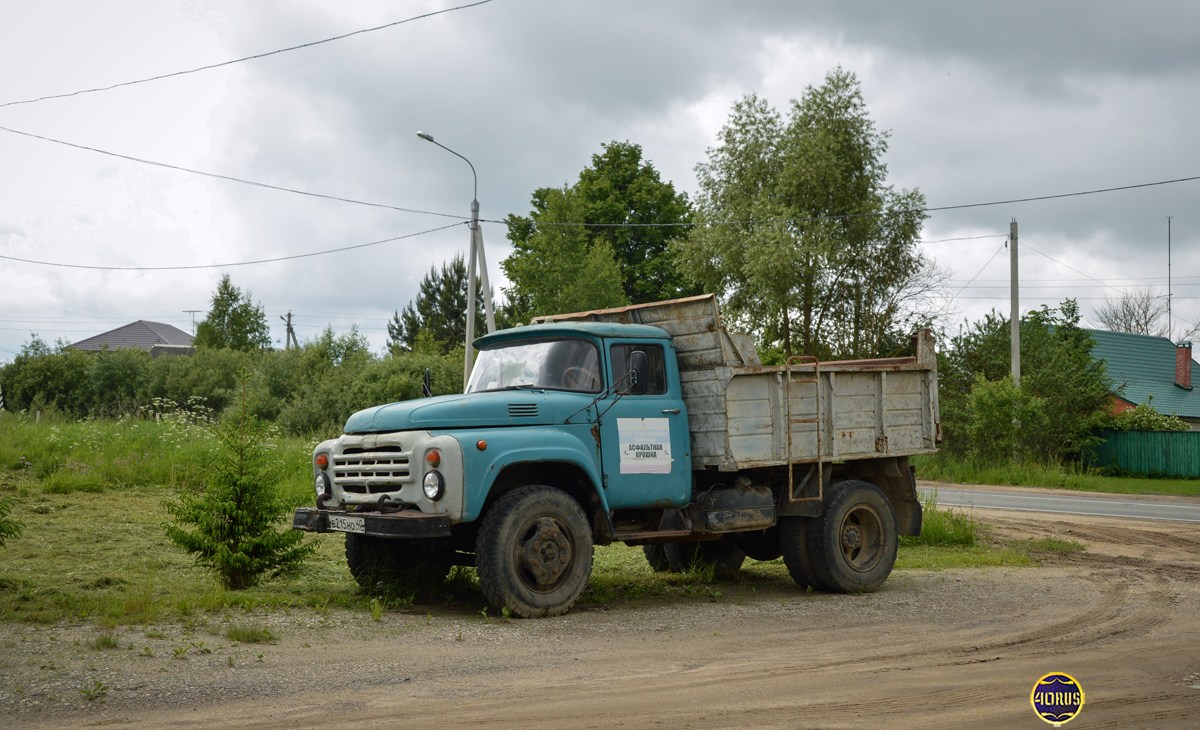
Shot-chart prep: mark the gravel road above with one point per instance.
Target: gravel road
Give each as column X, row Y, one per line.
column 959, row 648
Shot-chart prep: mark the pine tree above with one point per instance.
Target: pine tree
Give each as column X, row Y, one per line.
column 235, row 516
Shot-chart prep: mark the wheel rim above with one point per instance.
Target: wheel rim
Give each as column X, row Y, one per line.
column 861, row 537
column 544, row 554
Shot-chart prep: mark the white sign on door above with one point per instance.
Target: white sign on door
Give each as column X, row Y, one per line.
column 645, row 445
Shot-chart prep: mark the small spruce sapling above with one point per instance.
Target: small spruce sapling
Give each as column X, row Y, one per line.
column 9, row 527
column 234, row 518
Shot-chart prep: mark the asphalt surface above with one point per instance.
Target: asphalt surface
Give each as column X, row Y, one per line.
column 1070, row 504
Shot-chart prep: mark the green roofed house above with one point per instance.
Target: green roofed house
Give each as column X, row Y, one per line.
column 1149, row 366
column 155, row 338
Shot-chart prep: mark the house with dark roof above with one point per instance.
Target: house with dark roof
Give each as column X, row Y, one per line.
column 155, row 338
column 1150, row 367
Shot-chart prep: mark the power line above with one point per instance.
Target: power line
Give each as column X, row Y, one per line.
column 236, row 263
column 967, row 238
column 245, row 58
column 229, row 178
column 1136, row 281
column 877, row 214
column 1024, row 286
column 981, row 268
column 1077, row 271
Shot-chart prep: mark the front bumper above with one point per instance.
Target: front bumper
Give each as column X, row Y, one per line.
column 404, row 524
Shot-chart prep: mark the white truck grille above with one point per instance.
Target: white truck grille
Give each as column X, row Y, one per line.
column 385, row 469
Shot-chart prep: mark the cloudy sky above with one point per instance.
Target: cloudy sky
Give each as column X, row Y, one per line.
column 983, row 104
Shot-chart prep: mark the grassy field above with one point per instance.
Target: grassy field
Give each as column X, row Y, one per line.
column 944, row 468
column 91, row 496
column 103, row 557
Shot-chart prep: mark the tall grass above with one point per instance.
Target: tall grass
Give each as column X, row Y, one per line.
column 943, row 527
column 164, row 446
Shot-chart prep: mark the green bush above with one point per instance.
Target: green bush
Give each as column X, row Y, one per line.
column 1005, row 421
column 1146, row 418
column 234, row 517
column 1064, row 391
column 310, row 390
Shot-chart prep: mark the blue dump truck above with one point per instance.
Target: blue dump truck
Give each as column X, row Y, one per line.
column 649, row 425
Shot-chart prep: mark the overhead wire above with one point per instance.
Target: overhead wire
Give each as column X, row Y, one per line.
column 229, row 178
column 875, row 214
column 1077, row 271
column 981, row 268
column 245, row 58
column 228, row 265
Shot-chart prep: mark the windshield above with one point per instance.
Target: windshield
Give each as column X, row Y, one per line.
column 550, row 364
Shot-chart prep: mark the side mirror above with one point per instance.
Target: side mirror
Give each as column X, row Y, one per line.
column 639, row 365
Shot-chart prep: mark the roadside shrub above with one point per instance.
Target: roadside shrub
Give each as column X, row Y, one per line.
column 1059, row 378
column 308, row 391
column 1146, row 418
column 234, row 517
column 1005, row 421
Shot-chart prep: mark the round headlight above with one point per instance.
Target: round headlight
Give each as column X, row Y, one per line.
column 434, row 485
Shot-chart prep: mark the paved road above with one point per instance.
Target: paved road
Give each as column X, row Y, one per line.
column 1082, row 504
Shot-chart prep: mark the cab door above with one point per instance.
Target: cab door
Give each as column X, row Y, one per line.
column 645, row 444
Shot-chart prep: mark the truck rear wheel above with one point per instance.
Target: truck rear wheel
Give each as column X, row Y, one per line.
column 656, row 555
column 793, row 543
column 534, row 552
column 761, row 545
column 725, row 557
column 393, row 562
column 852, row 544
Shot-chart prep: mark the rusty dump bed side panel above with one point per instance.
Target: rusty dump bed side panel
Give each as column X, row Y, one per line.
column 743, row 415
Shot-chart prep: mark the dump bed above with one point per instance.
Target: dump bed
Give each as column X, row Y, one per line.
column 745, row 415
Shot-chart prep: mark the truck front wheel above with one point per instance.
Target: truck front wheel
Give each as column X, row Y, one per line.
column 534, row 552
column 852, row 545
column 392, row 562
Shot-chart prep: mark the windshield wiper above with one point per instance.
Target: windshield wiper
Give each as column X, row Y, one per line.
column 525, row 386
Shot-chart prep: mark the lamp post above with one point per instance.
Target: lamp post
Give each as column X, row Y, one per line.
column 476, row 250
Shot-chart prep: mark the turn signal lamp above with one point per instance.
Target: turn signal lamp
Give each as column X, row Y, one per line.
column 481, row 445
column 434, row 459
column 322, row 461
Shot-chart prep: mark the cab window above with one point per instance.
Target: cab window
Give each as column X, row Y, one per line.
column 657, row 361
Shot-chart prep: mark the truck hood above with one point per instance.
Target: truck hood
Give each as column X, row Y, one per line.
column 477, row 410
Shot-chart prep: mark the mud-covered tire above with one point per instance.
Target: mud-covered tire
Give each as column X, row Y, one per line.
column 393, row 563
column 656, row 556
column 724, row 556
column 533, row 555
column 761, row 545
column 852, row 544
column 793, row 544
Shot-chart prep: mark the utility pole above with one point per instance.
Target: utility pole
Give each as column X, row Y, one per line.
column 476, row 254
column 1015, row 312
column 1170, row 327
column 193, row 312
column 291, row 333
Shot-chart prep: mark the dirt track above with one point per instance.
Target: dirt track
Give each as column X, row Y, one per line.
column 933, row 649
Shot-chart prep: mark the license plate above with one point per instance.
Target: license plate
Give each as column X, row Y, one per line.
column 342, row 523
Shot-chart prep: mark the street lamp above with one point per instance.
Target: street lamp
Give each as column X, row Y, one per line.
column 476, row 251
